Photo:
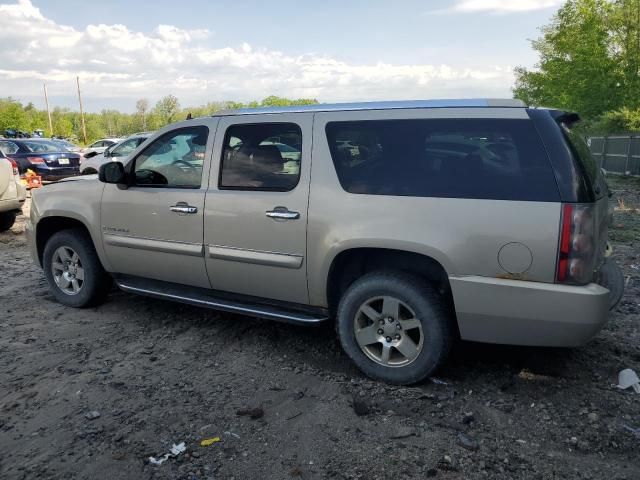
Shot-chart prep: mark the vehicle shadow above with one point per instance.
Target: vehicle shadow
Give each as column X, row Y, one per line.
column 318, row 348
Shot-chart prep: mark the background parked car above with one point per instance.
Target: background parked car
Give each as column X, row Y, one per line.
column 46, row 158
column 66, row 144
column 99, row 147
column 117, row 151
column 12, row 192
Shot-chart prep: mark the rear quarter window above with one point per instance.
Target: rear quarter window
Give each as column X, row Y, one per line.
column 587, row 163
column 451, row 158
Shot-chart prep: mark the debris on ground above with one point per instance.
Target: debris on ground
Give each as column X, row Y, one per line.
column 629, row 378
column 252, row 413
column 361, row 407
column 438, row 381
column 468, row 417
column 174, row 452
column 467, row 442
column 634, row 430
column 528, row 375
column 92, row 415
column 403, row 432
column 209, row 441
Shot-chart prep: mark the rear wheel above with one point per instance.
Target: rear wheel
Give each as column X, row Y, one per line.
column 395, row 327
column 7, row 219
column 73, row 270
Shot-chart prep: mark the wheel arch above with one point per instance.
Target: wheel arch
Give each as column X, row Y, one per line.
column 350, row 264
column 48, row 226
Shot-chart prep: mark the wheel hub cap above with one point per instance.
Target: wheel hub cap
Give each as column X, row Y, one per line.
column 388, row 332
column 67, row 270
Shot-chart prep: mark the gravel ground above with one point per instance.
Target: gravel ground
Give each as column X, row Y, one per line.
column 93, row 393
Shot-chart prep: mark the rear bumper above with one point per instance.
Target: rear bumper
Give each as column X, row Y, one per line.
column 517, row 312
column 11, row 205
column 53, row 174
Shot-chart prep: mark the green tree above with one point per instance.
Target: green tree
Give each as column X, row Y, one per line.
column 578, row 67
column 167, row 109
column 12, row 115
column 62, row 121
column 625, row 28
column 274, row 101
column 142, row 108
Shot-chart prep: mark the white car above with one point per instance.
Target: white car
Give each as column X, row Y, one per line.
column 117, row 151
column 99, row 147
column 12, row 192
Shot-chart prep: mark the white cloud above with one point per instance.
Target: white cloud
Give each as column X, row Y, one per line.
column 502, row 6
column 116, row 62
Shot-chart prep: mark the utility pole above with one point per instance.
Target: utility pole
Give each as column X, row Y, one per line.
column 84, row 128
column 46, row 101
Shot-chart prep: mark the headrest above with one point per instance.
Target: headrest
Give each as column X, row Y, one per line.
column 268, row 155
column 200, row 139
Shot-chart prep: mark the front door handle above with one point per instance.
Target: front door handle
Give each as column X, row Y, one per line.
column 282, row 213
column 183, row 208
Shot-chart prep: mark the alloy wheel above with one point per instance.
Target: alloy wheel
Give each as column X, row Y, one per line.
column 388, row 332
column 67, row 269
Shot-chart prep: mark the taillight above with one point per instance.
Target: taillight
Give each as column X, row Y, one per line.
column 15, row 166
column 37, row 160
column 576, row 255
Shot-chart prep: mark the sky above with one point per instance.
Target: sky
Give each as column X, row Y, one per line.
column 214, row 50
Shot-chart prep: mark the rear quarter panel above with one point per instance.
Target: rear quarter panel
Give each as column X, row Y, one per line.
column 463, row 235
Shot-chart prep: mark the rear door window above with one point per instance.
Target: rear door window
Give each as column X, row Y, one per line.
column 263, row 156
column 455, row 158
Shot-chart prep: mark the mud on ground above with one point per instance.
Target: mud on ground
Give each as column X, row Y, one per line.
column 93, row 393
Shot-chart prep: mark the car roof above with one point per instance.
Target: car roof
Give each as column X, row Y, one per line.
column 139, row 135
column 385, row 105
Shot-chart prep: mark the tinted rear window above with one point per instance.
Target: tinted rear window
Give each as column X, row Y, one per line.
column 455, row 158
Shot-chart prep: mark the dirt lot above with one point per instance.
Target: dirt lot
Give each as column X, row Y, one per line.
column 93, row 393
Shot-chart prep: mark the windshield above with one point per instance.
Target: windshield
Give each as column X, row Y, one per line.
column 125, row 148
column 41, row 146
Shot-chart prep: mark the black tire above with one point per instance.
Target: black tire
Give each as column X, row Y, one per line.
column 430, row 309
column 7, row 219
column 89, row 171
column 96, row 283
column 611, row 277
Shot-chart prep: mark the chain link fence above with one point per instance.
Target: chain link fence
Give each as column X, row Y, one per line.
column 617, row 153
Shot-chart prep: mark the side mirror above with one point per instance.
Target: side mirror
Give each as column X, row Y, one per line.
column 112, row 172
column 107, row 153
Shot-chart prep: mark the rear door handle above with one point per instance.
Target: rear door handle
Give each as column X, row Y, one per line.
column 183, row 208
column 282, row 213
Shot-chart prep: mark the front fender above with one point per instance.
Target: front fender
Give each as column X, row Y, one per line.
column 79, row 201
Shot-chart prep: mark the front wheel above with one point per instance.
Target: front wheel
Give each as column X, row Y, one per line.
column 73, row 270
column 395, row 327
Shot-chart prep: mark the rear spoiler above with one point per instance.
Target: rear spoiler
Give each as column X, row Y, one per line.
column 567, row 118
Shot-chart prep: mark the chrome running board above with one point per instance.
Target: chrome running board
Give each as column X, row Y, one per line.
column 223, row 301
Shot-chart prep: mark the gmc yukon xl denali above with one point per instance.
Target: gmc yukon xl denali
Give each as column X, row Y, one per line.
column 408, row 224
